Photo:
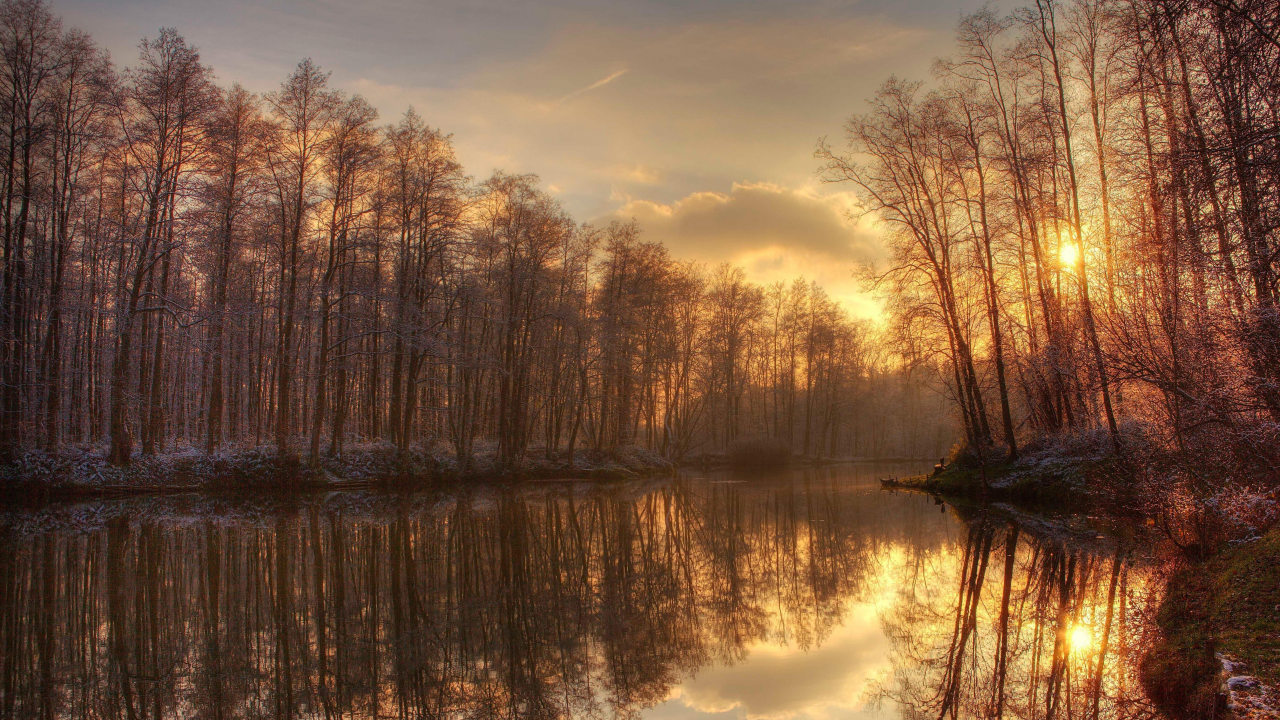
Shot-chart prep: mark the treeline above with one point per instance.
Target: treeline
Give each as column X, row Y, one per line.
column 192, row 264
column 1082, row 215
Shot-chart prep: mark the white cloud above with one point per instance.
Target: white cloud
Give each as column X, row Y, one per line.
column 754, row 216
column 775, row 233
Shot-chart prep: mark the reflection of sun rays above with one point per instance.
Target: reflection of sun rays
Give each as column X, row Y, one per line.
column 963, row 626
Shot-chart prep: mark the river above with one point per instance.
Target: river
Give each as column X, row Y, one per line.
column 810, row 594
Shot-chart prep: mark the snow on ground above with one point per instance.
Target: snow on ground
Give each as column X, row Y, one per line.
column 1247, row 697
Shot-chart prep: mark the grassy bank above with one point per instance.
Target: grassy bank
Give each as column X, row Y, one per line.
column 1227, row 605
column 1056, row 479
column 997, row 482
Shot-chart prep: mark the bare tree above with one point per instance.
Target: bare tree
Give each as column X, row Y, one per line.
column 304, row 110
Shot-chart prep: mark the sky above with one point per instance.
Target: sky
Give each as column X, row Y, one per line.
column 696, row 119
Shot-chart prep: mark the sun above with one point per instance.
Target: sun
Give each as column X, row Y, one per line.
column 1070, row 254
column 1080, row 638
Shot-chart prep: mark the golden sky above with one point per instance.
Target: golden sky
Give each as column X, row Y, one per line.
column 698, row 119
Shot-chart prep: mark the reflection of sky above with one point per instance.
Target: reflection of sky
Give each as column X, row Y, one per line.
column 825, row 683
column 833, row 681
column 852, row 593
column 846, row 675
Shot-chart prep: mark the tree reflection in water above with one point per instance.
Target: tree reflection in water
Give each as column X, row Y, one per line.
column 557, row 600
column 1010, row 623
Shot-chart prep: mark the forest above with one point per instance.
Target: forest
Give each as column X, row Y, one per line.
column 190, row 267
column 1081, row 209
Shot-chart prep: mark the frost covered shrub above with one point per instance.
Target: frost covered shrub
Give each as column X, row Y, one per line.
column 1199, row 520
column 1218, row 486
column 759, row 453
column 1247, row 512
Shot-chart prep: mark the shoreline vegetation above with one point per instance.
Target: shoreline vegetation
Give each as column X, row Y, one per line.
column 84, row 473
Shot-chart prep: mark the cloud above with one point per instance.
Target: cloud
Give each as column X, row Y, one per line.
column 775, row 233
column 714, row 226
column 638, row 174
column 779, row 682
column 599, row 83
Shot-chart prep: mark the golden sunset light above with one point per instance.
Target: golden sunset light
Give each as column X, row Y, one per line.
column 1081, row 639
column 640, row 359
column 1070, row 255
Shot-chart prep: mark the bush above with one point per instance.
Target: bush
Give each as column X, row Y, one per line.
column 961, row 456
column 759, row 453
column 966, row 457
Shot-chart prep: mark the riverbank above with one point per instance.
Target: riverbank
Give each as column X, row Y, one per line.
column 1077, row 473
column 1219, row 645
column 84, row 473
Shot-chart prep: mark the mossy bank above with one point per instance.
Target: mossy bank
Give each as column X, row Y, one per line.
column 1219, row 633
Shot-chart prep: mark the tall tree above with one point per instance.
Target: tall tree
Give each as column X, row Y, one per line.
column 304, row 110
column 160, row 102
column 236, row 137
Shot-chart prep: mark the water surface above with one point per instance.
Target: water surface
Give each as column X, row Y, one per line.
column 809, row 595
